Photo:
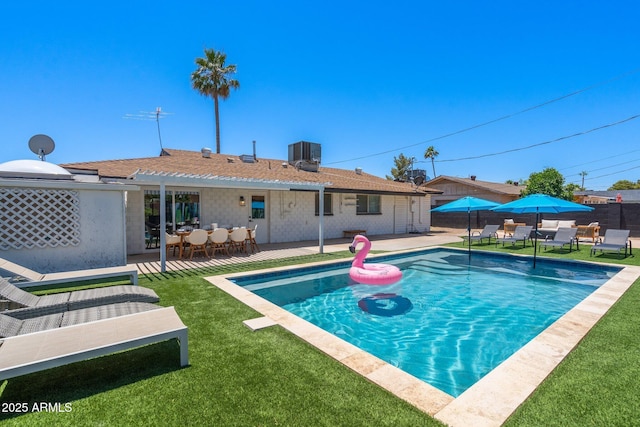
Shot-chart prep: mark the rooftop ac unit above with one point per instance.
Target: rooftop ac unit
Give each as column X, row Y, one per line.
column 305, row 155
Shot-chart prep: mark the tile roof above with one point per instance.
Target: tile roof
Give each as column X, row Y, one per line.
column 193, row 162
column 495, row 187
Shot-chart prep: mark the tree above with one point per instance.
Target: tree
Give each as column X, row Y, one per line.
column 549, row 182
column 583, row 174
column 402, row 166
column 431, row 153
column 625, row 184
column 213, row 79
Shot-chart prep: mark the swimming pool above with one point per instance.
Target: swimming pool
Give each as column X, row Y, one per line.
column 448, row 322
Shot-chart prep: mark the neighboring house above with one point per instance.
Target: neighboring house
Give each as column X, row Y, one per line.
column 598, row 197
column 52, row 221
column 454, row 188
column 284, row 198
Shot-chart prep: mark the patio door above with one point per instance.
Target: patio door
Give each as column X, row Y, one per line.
column 258, row 216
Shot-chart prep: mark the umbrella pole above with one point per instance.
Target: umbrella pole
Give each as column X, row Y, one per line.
column 535, row 241
column 469, row 231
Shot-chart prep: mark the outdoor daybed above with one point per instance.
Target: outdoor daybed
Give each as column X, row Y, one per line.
column 33, row 352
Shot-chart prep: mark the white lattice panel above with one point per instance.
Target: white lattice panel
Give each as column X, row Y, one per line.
column 38, row 218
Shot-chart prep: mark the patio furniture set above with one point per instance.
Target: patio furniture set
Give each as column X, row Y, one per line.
column 42, row 332
column 612, row 241
column 226, row 240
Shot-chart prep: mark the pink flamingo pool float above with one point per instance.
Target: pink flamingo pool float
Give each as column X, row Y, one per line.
column 370, row 274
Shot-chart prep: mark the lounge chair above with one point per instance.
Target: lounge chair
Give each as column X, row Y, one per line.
column 487, row 232
column 564, row 236
column 521, row 232
column 11, row 326
column 34, row 306
column 33, row 278
column 33, row 352
column 614, row 240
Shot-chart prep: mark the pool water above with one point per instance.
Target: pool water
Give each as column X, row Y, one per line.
column 450, row 320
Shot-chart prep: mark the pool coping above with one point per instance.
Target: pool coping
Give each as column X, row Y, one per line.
column 491, row 400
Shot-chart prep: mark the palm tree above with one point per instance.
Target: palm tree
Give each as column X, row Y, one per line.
column 213, row 78
column 431, row 153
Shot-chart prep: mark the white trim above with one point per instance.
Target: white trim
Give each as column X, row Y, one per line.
column 216, row 181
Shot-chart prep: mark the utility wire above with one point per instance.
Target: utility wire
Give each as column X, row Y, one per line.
column 508, row 116
column 545, row 142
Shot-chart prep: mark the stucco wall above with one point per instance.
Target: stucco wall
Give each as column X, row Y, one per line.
column 102, row 238
column 290, row 215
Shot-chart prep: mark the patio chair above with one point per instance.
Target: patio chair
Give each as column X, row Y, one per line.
column 32, row 305
column 218, row 240
column 250, row 240
column 197, row 240
column 172, row 241
column 521, row 232
column 564, row 236
column 37, row 351
column 33, row 278
column 237, row 239
column 487, row 232
column 614, row 240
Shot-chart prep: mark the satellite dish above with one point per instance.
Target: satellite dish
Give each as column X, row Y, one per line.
column 41, row 145
column 418, row 180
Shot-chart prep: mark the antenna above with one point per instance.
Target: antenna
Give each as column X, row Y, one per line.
column 41, row 145
column 150, row 115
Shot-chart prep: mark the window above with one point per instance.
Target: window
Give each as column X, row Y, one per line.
column 257, row 207
column 368, row 204
column 328, row 204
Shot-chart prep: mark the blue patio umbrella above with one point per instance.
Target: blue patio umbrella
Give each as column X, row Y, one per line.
column 467, row 204
column 537, row 204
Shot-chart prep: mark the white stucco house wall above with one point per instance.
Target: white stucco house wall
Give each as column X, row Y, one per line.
column 50, row 221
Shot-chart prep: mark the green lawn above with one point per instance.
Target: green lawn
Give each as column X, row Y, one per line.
column 271, row 378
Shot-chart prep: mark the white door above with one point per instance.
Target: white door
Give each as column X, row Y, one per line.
column 258, row 216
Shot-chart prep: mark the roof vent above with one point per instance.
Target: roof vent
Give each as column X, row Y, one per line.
column 359, row 171
column 285, row 164
column 206, row 152
column 473, row 177
column 229, row 159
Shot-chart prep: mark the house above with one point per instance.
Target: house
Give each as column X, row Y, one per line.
column 599, row 197
column 289, row 200
column 453, row 188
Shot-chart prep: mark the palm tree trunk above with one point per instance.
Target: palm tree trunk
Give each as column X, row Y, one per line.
column 433, row 165
column 215, row 104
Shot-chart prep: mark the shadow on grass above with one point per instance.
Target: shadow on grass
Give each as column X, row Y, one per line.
column 79, row 380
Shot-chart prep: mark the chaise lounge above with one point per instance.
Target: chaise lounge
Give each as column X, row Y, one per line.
column 521, row 232
column 33, row 278
column 30, row 305
column 564, row 236
column 614, row 241
column 49, row 348
column 487, row 232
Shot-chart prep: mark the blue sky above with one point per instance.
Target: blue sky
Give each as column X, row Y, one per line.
column 367, row 80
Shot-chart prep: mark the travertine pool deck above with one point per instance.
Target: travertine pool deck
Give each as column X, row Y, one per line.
column 491, row 400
